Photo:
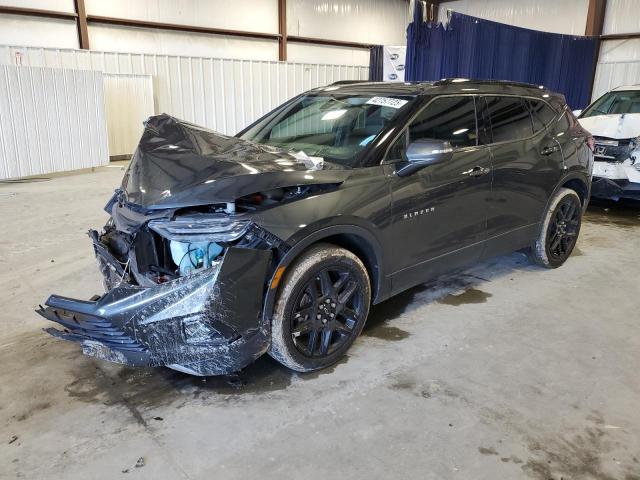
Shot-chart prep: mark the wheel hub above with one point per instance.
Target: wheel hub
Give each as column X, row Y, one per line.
column 562, row 227
column 327, row 310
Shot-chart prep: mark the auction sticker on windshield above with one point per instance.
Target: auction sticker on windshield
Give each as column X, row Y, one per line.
column 387, row 102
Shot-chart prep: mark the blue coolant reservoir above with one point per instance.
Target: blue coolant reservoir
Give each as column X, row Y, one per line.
column 191, row 257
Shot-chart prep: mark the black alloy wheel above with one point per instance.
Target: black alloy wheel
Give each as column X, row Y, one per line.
column 321, row 308
column 327, row 309
column 563, row 229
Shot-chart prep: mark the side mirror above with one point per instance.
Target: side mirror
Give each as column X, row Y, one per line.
column 422, row 153
column 577, row 112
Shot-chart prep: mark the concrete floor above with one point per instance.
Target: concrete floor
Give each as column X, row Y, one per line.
column 506, row 371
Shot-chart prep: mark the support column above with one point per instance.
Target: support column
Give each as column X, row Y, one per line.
column 81, row 23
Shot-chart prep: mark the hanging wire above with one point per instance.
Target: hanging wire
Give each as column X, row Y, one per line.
column 124, row 272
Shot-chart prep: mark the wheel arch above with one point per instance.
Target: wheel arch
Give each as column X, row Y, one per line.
column 575, row 181
column 580, row 187
column 356, row 239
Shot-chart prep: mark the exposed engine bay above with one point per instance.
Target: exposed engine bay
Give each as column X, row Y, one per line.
column 180, row 243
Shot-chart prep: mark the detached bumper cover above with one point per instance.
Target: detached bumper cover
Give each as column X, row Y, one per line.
column 204, row 324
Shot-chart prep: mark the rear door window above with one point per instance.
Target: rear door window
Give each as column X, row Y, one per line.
column 542, row 114
column 510, row 118
column 447, row 118
column 562, row 125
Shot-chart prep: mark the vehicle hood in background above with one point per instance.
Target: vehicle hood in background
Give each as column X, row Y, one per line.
column 613, row 126
column 178, row 164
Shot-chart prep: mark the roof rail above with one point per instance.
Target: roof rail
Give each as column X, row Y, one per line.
column 449, row 81
column 348, row 82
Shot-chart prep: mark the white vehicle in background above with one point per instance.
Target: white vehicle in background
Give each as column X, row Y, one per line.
column 614, row 121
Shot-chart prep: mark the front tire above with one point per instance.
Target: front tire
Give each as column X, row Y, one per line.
column 321, row 308
column 559, row 232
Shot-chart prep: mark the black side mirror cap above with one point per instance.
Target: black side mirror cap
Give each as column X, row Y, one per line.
column 422, row 153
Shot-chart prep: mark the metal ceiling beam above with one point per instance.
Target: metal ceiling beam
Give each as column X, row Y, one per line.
column 36, row 12
column 332, row 43
column 620, row 36
column 125, row 22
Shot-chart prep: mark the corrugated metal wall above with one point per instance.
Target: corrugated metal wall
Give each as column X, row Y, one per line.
column 612, row 74
column 128, row 103
column 222, row 94
column 51, row 120
column 619, row 61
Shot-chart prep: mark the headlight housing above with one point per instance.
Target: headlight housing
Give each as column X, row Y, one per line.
column 201, row 228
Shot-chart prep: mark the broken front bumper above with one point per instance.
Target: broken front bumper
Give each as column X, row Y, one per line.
column 615, row 180
column 208, row 323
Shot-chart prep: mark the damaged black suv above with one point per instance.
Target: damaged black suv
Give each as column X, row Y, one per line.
column 278, row 240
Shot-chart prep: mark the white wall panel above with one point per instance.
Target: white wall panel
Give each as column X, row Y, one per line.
column 57, row 5
column 622, row 16
column 307, row 53
column 557, row 16
column 167, row 42
column 619, row 64
column 51, row 120
column 36, row 31
column 620, row 50
column 380, row 22
column 223, row 94
column 128, row 102
column 252, row 15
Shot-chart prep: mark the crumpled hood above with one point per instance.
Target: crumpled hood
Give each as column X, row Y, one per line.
column 613, row 126
column 179, row 164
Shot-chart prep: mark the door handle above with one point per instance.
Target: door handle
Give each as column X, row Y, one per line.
column 549, row 150
column 477, row 171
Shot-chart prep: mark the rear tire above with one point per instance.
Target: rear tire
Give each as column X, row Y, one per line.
column 321, row 308
column 559, row 231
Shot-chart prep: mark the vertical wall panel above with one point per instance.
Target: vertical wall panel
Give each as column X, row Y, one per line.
column 223, row 94
column 255, row 15
column 51, row 120
column 167, row 42
column 128, row 102
column 618, row 65
column 29, row 30
column 56, row 5
column 621, row 16
column 367, row 21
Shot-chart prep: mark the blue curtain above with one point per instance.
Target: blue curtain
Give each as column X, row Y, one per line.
column 375, row 63
column 471, row 47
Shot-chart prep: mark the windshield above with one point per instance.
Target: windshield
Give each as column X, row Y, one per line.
column 615, row 103
column 336, row 127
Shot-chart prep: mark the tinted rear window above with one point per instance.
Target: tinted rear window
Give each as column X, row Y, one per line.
column 510, row 118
